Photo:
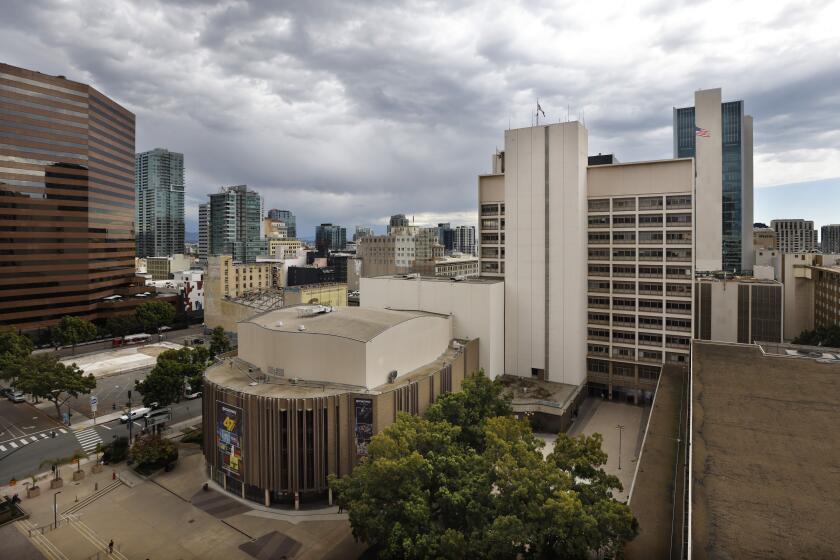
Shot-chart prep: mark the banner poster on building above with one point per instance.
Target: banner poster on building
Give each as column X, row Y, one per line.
column 364, row 425
column 229, row 438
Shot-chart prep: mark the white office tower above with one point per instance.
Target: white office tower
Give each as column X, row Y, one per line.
column 545, row 252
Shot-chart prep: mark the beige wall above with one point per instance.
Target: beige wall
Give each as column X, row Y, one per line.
column 672, row 176
column 406, row 346
column 709, row 197
column 224, row 313
column 491, row 188
column 799, row 293
column 477, row 309
column 324, row 294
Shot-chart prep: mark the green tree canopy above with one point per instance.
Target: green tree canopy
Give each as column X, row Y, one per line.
column 165, row 384
column 13, row 344
column 123, row 325
column 154, row 314
column 45, row 377
column 71, row 331
column 219, row 342
column 153, row 450
column 430, row 489
column 821, row 336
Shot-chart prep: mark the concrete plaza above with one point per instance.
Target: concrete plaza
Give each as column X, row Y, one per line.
column 109, row 362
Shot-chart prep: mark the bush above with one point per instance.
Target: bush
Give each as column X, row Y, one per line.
column 193, row 436
column 115, row 452
column 153, row 452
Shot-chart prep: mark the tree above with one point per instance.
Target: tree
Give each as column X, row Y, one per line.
column 14, row 350
column 153, row 451
column 154, row 314
column 429, row 488
column 122, row 325
column 44, row 376
column 70, row 331
column 219, row 342
column 821, row 336
column 166, row 382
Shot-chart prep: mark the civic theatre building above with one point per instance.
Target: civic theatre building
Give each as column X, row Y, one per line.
column 310, row 387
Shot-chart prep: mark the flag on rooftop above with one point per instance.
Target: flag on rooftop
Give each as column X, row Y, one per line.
column 701, row 132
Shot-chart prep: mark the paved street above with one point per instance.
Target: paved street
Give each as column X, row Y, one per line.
column 173, row 336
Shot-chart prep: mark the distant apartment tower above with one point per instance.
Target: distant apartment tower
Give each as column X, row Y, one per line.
column 330, row 237
column 446, row 237
column 830, row 238
column 288, row 218
column 397, row 221
column 464, row 240
column 203, row 231
column 795, row 236
column 764, row 239
column 159, row 184
column 67, row 199
column 491, row 219
column 719, row 136
column 235, row 217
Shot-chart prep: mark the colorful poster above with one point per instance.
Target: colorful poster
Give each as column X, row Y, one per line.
column 364, row 425
column 229, row 438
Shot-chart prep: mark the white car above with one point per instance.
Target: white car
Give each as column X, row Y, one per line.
column 135, row 414
column 190, row 396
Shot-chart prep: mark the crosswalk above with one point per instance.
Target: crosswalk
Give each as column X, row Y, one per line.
column 12, row 444
column 88, row 439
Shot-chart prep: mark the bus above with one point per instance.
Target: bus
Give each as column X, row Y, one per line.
column 132, row 340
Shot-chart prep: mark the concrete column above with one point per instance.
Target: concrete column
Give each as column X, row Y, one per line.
column 267, row 498
column 224, row 482
column 242, row 492
column 297, row 501
column 329, row 496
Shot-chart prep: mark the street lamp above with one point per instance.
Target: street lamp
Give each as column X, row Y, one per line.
column 620, row 429
column 55, row 509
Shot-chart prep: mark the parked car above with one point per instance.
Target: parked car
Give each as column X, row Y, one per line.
column 5, row 391
column 190, row 396
column 135, row 414
column 198, row 341
column 17, row 397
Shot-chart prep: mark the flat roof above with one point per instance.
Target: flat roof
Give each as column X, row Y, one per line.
column 356, row 323
column 765, row 454
column 643, row 162
column 467, row 280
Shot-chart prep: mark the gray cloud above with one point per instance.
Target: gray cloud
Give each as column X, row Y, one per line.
column 350, row 111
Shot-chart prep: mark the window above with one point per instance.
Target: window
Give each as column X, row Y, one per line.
column 598, row 349
column 599, row 270
column 650, row 271
column 678, row 307
column 678, row 219
column 625, row 270
column 650, row 339
column 625, row 337
column 650, row 305
column 623, row 303
column 597, row 366
column 680, row 290
column 599, row 238
column 599, row 254
column 627, row 353
column 650, row 203
column 624, row 221
column 599, row 221
column 650, row 288
column 650, row 220
column 624, row 287
column 598, row 334
column 650, row 237
column 646, row 322
column 650, row 254
column 624, row 254
column 595, row 301
column 599, row 205
column 603, row 318
column 623, row 204
column 678, row 201
column 598, row 286
column 624, row 320
column 678, row 324
column 624, row 237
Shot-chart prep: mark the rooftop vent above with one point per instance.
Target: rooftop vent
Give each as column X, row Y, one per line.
column 392, row 376
column 301, row 328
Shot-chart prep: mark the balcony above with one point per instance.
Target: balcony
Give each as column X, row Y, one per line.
column 683, row 241
column 604, row 338
column 648, row 292
column 676, row 345
column 598, row 305
column 677, row 311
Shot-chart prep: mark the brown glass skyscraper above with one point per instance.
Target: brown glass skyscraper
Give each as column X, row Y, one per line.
column 66, row 199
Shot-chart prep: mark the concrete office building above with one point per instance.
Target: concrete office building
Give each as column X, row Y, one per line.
column 446, row 237
column 463, row 240
column 640, row 225
column 830, row 238
column 331, row 294
column 826, row 295
column 477, row 307
column 309, row 389
column 159, row 184
column 404, row 250
column 330, row 237
column 288, row 218
column 162, row 268
column 284, row 248
column 456, row 265
column 740, row 309
column 795, row 236
column 397, row 221
column 203, row 231
column 274, row 229
column 491, row 219
column 719, row 136
column 764, row 238
column 68, row 201
column 234, row 223
column 362, row 231
column 226, row 280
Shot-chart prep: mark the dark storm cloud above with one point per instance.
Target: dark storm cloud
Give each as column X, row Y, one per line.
column 351, row 111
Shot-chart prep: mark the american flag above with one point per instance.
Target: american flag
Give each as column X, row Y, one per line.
column 701, row 132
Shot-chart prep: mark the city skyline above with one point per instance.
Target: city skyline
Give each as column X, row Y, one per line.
column 356, row 105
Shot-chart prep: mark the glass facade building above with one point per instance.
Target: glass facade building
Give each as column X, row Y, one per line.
column 234, row 218
column 288, row 218
column 732, row 180
column 330, row 237
column 67, row 236
column 159, row 183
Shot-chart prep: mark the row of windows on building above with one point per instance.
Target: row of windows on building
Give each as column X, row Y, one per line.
column 628, row 204
column 630, row 304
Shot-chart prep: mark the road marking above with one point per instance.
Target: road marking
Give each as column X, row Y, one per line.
column 24, row 442
column 62, row 430
column 33, row 438
column 106, row 427
column 88, row 439
column 3, row 448
column 43, row 436
column 13, row 444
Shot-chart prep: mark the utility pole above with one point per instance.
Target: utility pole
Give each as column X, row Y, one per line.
column 620, row 429
column 130, row 419
column 55, row 509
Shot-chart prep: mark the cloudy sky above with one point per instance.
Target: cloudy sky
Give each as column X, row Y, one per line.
column 350, row 111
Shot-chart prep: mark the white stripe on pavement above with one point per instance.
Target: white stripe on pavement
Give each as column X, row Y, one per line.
column 3, row 448
column 13, row 444
column 43, row 436
column 23, row 441
column 62, row 430
column 33, row 438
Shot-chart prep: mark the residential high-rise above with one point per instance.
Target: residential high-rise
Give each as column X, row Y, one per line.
column 235, row 216
column 464, row 240
column 491, row 219
column 288, row 218
column 397, row 221
column 795, row 236
column 203, row 231
column 159, row 185
column 330, row 237
column 830, row 238
column 719, row 136
column 67, row 186
column 446, row 237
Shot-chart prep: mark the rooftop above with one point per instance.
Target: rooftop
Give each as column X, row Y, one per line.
column 468, row 280
column 355, row 323
column 765, row 453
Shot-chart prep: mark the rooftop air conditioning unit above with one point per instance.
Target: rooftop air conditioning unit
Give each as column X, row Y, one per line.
column 392, row 376
column 301, row 328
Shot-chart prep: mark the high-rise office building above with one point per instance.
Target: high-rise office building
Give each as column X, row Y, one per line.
column 404, row 250
column 203, row 231
column 830, row 238
column 288, row 218
column 446, row 236
column 795, row 236
column 330, row 237
column 464, row 240
column 719, row 136
column 159, row 185
column 397, row 221
column 362, row 231
column 234, row 220
column 67, row 186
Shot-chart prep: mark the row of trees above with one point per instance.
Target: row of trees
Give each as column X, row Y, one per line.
column 468, row 479
column 147, row 317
